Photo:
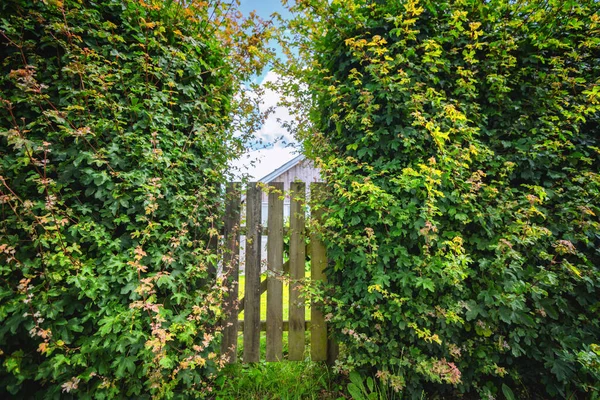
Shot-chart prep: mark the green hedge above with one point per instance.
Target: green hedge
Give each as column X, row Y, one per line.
column 114, row 141
column 461, row 142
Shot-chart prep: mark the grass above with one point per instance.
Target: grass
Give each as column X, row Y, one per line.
column 283, row 380
column 263, row 299
column 286, row 380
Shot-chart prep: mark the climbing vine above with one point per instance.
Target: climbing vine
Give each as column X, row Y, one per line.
column 116, row 129
column 461, row 146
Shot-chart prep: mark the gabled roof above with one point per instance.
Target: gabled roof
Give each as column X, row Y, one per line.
column 285, row 167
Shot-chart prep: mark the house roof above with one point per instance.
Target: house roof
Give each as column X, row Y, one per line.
column 285, row 167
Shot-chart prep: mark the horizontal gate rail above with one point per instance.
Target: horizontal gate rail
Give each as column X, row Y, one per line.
column 322, row 348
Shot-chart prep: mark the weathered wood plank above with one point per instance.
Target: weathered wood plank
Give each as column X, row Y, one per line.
column 231, row 269
column 265, row 230
column 213, row 244
column 285, row 326
column 252, row 271
column 297, row 259
column 263, row 286
column 318, row 256
column 274, row 272
column 333, row 350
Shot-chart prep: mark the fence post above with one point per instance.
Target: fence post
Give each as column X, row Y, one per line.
column 213, row 245
column 231, row 269
column 274, row 271
column 297, row 259
column 318, row 257
column 252, row 272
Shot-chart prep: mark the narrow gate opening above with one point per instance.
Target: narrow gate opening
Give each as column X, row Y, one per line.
column 268, row 315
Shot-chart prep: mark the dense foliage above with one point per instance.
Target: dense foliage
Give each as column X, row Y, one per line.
column 114, row 139
column 461, row 142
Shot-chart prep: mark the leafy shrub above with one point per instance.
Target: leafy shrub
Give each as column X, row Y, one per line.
column 461, row 143
column 114, row 139
column 368, row 389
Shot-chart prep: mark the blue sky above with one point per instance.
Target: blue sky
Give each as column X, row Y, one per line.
column 264, row 9
column 260, row 162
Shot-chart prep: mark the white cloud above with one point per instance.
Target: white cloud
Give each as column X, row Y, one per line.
column 274, row 152
column 259, row 163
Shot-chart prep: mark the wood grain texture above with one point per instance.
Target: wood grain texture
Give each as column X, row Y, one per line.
column 318, row 257
column 231, row 269
column 297, row 259
column 274, row 272
column 285, row 326
column 252, row 272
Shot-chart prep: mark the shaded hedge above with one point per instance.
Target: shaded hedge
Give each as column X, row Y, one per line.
column 114, row 139
column 461, row 142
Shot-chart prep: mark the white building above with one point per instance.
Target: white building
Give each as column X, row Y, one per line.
column 297, row 169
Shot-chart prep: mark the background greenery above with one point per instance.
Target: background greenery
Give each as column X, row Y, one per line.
column 459, row 139
column 116, row 129
column 460, row 142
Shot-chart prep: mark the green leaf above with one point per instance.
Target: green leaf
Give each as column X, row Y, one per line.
column 166, row 362
column 508, row 393
column 355, row 392
column 357, row 380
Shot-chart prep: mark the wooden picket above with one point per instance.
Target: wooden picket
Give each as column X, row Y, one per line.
column 252, row 272
column 275, row 271
column 322, row 347
column 297, row 258
column 318, row 262
column 231, row 269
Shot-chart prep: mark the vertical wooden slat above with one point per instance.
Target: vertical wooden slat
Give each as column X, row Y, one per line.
column 275, row 269
column 213, row 244
column 318, row 257
column 297, row 258
column 333, row 350
column 231, row 269
column 252, row 288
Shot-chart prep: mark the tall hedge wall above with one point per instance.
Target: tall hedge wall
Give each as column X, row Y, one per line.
column 461, row 142
column 114, row 140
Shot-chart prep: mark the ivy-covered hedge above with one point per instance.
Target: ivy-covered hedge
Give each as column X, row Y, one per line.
column 461, row 142
column 114, row 140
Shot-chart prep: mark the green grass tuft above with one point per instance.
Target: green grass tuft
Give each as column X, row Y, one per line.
column 282, row 380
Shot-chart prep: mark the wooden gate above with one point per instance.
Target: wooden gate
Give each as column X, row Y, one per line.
column 321, row 348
